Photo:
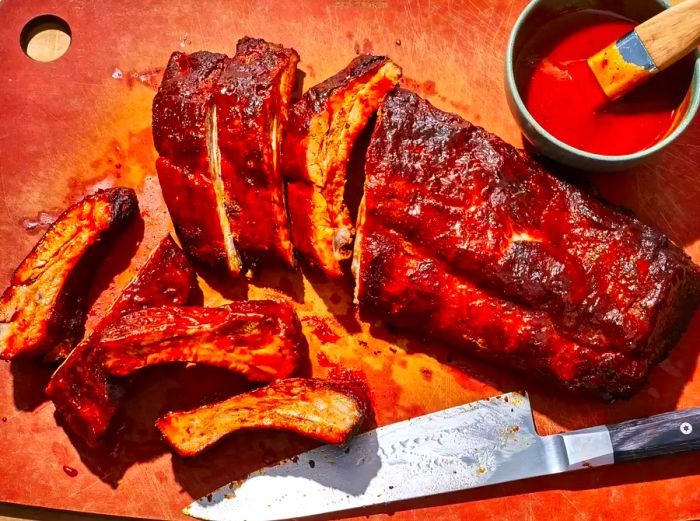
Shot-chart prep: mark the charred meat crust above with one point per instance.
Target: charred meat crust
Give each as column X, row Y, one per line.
column 181, row 104
column 261, row 340
column 460, row 224
column 326, row 410
column 252, row 99
column 80, row 389
column 45, row 304
column 323, row 127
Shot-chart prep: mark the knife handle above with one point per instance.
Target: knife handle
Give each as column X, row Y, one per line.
column 668, row 433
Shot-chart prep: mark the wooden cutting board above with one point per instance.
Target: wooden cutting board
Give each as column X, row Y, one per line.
column 83, row 122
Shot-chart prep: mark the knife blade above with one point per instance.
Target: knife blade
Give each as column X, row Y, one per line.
column 482, row 443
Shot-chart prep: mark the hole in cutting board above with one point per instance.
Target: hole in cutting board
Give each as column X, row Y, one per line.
column 45, row 38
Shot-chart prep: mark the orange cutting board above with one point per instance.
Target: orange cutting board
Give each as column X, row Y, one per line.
column 83, row 121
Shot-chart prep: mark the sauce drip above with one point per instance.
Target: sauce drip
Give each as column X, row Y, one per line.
column 357, row 380
column 322, row 330
column 562, row 94
column 70, row 471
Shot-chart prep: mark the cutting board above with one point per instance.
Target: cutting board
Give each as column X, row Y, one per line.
column 83, row 122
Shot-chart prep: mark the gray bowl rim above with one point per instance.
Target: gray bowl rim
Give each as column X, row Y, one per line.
column 515, row 93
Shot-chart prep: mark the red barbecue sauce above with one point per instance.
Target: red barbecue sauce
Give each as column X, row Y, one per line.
column 70, row 471
column 562, row 94
column 322, row 330
column 356, row 380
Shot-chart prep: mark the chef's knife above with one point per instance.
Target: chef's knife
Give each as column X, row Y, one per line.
column 482, row 443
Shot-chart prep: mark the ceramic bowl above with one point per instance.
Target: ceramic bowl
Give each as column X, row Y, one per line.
column 532, row 18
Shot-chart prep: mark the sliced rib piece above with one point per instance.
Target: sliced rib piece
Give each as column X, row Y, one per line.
column 218, row 124
column 184, row 133
column 323, row 126
column 326, row 410
column 192, row 204
column 80, row 388
column 252, row 99
column 45, row 304
column 261, row 340
column 469, row 240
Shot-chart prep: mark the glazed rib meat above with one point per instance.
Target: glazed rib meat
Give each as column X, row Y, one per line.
column 252, row 100
column 323, row 126
column 182, row 133
column 45, row 306
column 80, row 389
column 217, row 125
column 466, row 239
column 326, row 410
column 261, row 340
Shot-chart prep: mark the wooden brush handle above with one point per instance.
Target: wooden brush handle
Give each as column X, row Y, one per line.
column 669, row 433
column 672, row 34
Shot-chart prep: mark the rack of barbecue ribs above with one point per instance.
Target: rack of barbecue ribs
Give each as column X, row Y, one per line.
column 465, row 239
column 80, row 389
column 323, row 127
column 218, row 124
column 45, row 306
column 326, row 410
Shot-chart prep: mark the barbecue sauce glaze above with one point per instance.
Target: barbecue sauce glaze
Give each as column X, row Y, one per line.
column 562, row 94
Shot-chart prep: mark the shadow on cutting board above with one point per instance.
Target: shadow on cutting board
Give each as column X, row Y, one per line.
column 23, row 512
column 242, row 453
column 234, row 458
column 155, row 391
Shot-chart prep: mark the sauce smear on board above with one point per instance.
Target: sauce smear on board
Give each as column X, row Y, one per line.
column 562, row 94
